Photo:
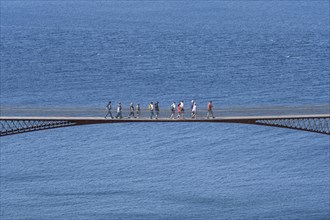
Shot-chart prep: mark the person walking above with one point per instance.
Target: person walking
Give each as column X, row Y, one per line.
column 119, row 111
column 109, row 107
column 192, row 106
column 157, row 109
column 210, row 110
column 179, row 110
column 131, row 110
column 194, row 111
column 173, row 110
column 151, row 109
column 138, row 111
column 182, row 109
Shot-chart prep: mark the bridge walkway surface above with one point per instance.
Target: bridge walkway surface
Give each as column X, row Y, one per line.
column 307, row 118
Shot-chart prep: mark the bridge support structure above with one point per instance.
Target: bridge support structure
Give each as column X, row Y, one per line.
column 312, row 123
column 17, row 126
column 319, row 125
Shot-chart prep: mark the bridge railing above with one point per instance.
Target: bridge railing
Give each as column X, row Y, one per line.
column 165, row 112
column 21, row 120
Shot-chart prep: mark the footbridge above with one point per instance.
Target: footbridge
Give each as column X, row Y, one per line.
column 304, row 118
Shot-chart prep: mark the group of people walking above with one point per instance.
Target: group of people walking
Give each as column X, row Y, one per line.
column 180, row 110
column 177, row 111
column 153, row 107
column 120, row 110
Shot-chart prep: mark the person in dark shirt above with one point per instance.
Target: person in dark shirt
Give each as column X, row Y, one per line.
column 131, row 110
column 109, row 107
column 138, row 110
column 157, row 109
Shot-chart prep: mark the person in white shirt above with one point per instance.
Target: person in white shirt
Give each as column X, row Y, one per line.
column 194, row 111
column 182, row 109
column 192, row 106
column 151, row 108
column 173, row 106
column 119, row 111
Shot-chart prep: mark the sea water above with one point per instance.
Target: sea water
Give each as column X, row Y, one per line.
column 81, row 54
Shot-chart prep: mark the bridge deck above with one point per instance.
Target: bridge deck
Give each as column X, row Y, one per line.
column 92, row 120
column 313, row 119
column 165, row 112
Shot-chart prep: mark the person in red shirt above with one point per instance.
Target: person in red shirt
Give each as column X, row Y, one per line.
column 210, row 110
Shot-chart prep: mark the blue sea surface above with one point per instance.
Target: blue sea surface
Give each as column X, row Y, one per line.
column 81, row 54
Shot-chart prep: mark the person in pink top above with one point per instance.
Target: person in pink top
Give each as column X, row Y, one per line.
column 179, row 110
